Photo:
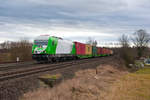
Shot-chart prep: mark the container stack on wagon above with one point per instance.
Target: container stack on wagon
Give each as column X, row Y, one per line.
column 80, row 49
column 103, row 51
column 94, row 51
column 99, row 51
column 88, row 50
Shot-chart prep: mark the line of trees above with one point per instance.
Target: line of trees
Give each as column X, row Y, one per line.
column 91, row 41
column 12, row 50
column 140, row 41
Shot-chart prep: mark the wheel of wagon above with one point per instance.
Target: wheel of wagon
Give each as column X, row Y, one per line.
column 53, row 60
column 50, row 60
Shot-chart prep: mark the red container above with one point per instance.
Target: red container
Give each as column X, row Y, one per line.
column 103, row 50
column 109, row 51
column 99, row 50
column 80, row 48
column 106, row 51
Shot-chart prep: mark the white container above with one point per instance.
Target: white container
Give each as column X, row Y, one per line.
column 64, row 47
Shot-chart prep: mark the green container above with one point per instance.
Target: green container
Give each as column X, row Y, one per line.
column 94, row 50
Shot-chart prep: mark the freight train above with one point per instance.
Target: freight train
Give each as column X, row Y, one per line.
column 51, row 49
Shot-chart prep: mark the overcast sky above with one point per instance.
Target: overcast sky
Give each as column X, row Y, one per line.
column 103, row 20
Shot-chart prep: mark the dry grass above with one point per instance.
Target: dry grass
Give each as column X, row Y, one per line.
column 86, row 85
column 5, row 57
column 109, row 84
column 135, row 86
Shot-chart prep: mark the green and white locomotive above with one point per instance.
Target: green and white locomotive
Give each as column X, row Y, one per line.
column 50, row 48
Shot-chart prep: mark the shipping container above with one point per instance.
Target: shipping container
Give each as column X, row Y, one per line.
column 64, row 47
column 106, row 51
column 98, row 50
column 94, row 50
column 111, row 52
column 88, row 49
column 103, row 51
column 80, row 48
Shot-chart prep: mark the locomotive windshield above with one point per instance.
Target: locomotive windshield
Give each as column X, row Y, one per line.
column 40, row 42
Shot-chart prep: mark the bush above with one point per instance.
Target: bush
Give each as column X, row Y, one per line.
column 128, row 55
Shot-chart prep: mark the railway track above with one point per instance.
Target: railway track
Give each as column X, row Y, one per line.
column 39, row 69
column 16, row 66
column 9, row 66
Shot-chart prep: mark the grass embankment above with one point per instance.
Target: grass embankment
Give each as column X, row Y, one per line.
column 88, row 84
column 134, row 86
column 5, row 57
column 108, row 84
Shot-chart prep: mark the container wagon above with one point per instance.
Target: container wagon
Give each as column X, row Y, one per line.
column 94, row 51
column 80, row 50
column 99, row 51
column 88, row 50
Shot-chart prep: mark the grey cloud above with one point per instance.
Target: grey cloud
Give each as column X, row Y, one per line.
column 31, row 16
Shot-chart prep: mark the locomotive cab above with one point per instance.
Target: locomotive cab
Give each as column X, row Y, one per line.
column 40, row 45
column 39, row 48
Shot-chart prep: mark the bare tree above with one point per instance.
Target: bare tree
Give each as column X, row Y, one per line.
column 5, row 45
column 124, row 41
column 141, row 40
column 91, row 41
column 125, row 51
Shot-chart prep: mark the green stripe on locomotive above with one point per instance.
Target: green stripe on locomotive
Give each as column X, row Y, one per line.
column 73, row 52
column 52, row 44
